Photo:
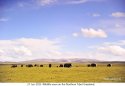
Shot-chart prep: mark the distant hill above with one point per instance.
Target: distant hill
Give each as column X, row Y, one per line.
column 8, row 62
column 74, row 60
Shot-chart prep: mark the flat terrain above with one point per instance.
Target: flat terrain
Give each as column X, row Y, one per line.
column 77, row 73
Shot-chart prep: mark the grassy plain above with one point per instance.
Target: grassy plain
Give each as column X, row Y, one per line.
column 78, row 73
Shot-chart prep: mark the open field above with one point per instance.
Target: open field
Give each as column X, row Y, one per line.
column 77, row 73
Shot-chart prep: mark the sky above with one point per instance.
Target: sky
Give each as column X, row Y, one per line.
column 62, row 29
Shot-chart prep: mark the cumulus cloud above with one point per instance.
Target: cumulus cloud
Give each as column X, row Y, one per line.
column 28, row 48
column 111, row 50
column 114, row 50
column 22, row 51
column 91, row 33
column 118, row 14
column 108, row 51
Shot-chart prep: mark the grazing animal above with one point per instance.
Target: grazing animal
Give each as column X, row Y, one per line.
column 88, row 65
column 29, row 65
column 93, row 65
column 21, row 65
column 36, row 65
column 13, row 66
column 109, row 65
column 68, row 65
column 41, row 65
column 50, row 65
column 61, row 65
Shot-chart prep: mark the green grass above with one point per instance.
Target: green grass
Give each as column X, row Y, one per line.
column 54, row 74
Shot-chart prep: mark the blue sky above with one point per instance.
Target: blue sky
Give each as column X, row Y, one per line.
column 78, row 27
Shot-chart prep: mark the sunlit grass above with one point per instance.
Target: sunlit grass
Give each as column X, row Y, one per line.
column 54, row 74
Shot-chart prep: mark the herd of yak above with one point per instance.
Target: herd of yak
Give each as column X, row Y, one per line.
column 67, row 65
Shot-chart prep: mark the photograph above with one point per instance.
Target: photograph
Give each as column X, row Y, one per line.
column 62, row 41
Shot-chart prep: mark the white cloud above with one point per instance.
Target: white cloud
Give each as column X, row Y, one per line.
column 49, row 2
column 46, row 2
column 118, row 43
column 3, row 19
column 55, row 2
column 114, row 50
column 115, row 26
column 35, row 4
column 110, row 51
column 75, row 34
column 118, row 14
column 21, row 50
column 28, row 48
column 80, row 1
column 1, row 51
column 77, row 1
column 96, row 15
column 91, row 33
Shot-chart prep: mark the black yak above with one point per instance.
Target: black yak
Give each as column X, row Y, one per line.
column 21, row 65
column 61, row 65
column 109, row 65
column 13, row 66
column 93, row 65
column 88, row 65
column 68, row 65
column 41, row 65
column 36, row 65
column 29, row 65
column 50, row 65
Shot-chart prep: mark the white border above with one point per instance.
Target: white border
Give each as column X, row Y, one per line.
column 62, row 84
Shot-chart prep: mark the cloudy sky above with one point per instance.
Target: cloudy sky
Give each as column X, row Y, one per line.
column 55, row 29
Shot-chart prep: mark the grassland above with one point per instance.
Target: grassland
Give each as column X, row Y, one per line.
column 78, row 73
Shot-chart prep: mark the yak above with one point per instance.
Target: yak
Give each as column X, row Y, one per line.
column 89, row 65
column 109, row 65
column 36, row 65
column 29, row 65
column 93, row 65
column 21, row 65
column 41, row 65
column 13, row 66
column 68, row 65
column 50, row 65
column 61, row 65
